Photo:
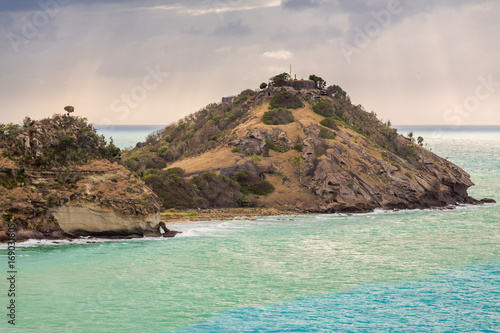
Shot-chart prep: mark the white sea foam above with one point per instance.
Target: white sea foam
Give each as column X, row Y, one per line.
column 75, row 241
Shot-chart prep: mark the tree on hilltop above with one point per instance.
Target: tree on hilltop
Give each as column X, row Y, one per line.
column 337, row 92
column 280, row 79
column 320, row 83
column 69, row 109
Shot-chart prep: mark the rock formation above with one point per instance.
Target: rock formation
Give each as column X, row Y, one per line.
column 57, row 180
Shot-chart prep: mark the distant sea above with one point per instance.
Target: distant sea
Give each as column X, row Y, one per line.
column 400, row 271
column 127, row 136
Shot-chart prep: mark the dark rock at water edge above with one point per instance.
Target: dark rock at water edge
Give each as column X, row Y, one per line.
column 166, row 231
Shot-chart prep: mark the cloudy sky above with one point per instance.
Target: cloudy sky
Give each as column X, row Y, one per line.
column 152, row 62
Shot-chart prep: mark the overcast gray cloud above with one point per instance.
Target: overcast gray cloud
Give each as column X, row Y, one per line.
column 299, row 4
column 235, row 28
column 139, row 62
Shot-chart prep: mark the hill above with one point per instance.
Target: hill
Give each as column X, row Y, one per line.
column 300, row 149
column 58, row 178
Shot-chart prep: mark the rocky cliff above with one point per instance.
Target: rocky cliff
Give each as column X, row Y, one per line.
column 319, row 152
column 58, row 178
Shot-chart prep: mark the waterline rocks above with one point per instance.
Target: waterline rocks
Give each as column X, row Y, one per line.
column 487, row 200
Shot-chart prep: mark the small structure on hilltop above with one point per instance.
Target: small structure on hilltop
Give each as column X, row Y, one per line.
column 286, row 80
column 227, row 100
column 301, row 84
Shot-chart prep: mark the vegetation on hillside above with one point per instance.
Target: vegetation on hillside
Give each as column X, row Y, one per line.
column 278, row 116
column 326, row 134
column 252, row 184
column 193, row 135
column 330, row 122
column 285, row 100
column 339, row 110
column 55, row 142
column 206, row 190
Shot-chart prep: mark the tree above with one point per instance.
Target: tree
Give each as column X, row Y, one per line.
column 69, row 109
column 337, row 92
column 410, row 136
column 263, row 85
column 420, row 141
column 320, row 83
column 280, row 79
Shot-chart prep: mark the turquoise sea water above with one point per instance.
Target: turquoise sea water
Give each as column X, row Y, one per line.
column 126, row 136
column 417, row 271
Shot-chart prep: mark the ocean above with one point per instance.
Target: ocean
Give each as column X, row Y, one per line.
column 399, row 271
column 127, row 136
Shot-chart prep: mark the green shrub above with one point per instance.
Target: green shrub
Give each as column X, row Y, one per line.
column 330, row 123
column 320, row 151
column 412, row 152
column 324, row 109
column 278, row 116
column 251, row 183
column 240, row 99
column 298, row 146
column 66, row 142
column 337, row 92
column 285, row 100
column 255, row 159
column 326, row 134
column 246, row 201
column 279, row 146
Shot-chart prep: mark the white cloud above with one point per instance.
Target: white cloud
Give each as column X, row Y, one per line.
column 220, row 7
column 166, row 8
column 280, row 54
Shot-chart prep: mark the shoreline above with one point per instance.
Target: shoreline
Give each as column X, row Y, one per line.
column 182, row 216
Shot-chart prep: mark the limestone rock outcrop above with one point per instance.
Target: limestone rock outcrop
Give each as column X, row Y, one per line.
column 97, row 199
column 87, row 219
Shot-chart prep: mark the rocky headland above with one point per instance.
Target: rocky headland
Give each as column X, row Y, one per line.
column 294, row 146
column 59, row 179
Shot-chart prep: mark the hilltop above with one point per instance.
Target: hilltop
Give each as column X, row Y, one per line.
column 296, row 146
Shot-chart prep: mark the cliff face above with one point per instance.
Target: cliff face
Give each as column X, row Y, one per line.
column 57, row 180
column 324, row 156
column 87, row 219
